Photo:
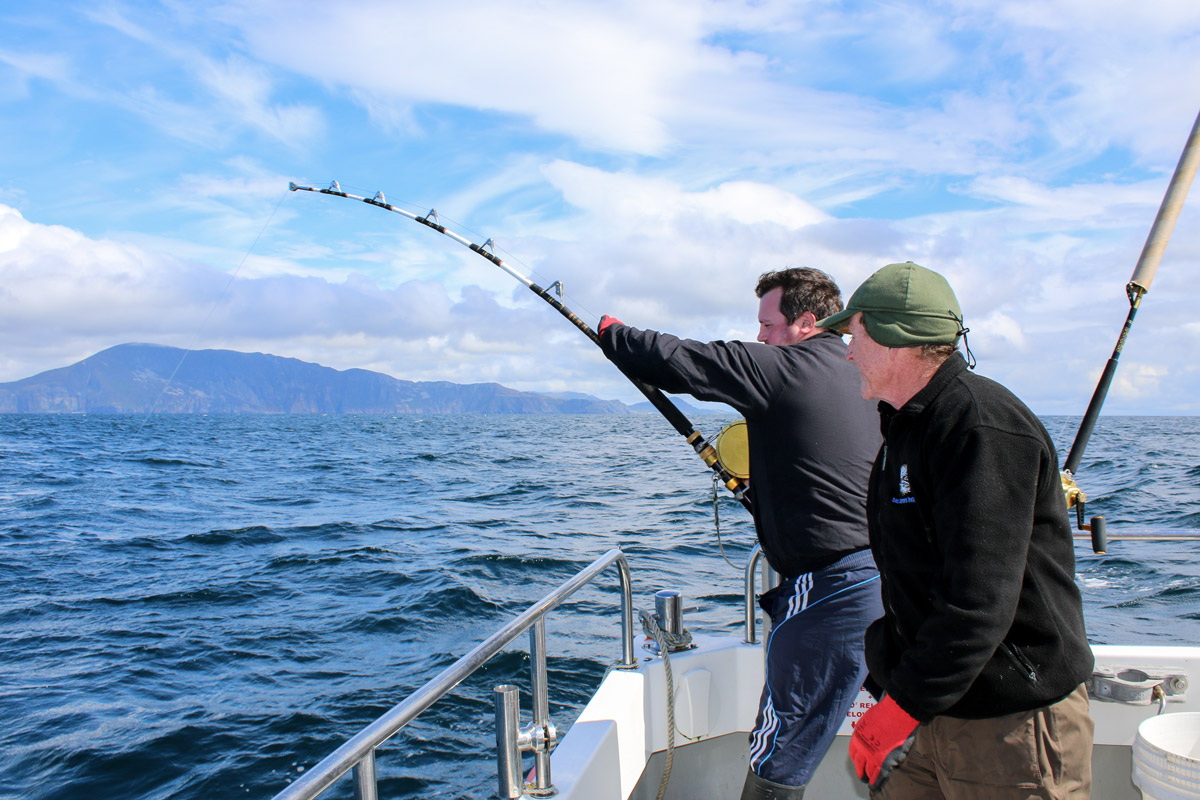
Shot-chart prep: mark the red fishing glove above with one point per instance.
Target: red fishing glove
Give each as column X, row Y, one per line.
column 605, row 321
column 881, row 741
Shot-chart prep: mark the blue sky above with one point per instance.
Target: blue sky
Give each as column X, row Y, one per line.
column 655, row 156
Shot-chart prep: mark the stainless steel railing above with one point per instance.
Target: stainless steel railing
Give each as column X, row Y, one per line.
column 770, row 579
column 359, row 752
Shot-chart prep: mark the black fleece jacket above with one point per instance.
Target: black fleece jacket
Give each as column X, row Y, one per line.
column 971, row 535
column 812, row 437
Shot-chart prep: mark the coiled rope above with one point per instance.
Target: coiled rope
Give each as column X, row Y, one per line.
column 666, row 641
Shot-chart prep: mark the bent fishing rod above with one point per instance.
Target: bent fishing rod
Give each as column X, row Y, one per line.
column 486, row 250
column 1135, row 290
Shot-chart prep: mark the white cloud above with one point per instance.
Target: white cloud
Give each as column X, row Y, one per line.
column 655, row 157
column 27, row 66
column 630, row 201
column 1001, row 332
column 582, row 70
column 244, row 91
column 1137, row 381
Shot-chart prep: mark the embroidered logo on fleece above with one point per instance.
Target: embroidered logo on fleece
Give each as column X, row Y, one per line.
column 904, row 490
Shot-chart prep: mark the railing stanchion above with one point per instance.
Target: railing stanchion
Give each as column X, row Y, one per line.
column 366, row 786
column 751, row 606
column 543, row 734
column 770, row 579
column 627, row 657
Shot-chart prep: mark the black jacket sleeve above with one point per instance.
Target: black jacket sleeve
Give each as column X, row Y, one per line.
column 724, row 372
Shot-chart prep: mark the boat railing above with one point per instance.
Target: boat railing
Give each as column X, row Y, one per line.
column 359, row 752
column 770, row 579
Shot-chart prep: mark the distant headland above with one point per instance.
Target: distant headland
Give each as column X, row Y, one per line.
column 145, row 378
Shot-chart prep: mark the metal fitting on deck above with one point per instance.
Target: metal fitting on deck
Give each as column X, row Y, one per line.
column 1136, row 686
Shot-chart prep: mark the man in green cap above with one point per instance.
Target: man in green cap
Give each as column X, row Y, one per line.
column 979, row 660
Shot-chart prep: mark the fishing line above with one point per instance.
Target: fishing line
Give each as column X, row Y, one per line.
column 212, row 308
column 665, row 406
column 1063, row 430
column 716, row 481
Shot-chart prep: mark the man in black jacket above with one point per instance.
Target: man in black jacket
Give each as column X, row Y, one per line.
column 811, row 439
column 982, row 653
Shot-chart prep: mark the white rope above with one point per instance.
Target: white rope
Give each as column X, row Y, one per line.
column 666, row 641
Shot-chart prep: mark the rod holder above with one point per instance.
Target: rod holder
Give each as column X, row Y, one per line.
column 539, row 738
column 508, row 751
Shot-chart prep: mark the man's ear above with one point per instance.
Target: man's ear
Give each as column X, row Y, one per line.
column 806, row 322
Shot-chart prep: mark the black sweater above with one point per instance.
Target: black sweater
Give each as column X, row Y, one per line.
column 971, row 535
column 812, row 437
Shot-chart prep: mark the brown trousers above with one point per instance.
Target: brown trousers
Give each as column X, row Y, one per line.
column 1044, row 754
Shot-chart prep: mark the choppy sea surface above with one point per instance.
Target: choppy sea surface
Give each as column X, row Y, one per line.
column 205, row 606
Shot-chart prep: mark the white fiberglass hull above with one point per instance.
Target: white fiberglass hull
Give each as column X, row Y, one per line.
column 616, row 749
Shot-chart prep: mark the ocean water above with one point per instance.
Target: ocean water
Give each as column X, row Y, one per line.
column 205, row 606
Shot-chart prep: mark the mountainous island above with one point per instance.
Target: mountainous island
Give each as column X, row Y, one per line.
column 146, row 378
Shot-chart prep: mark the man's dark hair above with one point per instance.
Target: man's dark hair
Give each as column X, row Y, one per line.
column 804, row 289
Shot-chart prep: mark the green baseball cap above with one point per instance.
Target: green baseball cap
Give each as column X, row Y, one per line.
column 903, row 305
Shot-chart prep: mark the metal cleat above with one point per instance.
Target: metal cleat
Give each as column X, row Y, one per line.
column 1137, row 687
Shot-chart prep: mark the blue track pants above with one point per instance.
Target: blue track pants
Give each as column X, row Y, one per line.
column 815, row 665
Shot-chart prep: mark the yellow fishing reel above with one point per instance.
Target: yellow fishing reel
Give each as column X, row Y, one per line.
column 733, row 449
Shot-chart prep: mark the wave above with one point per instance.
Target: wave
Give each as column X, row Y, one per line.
column 245, row 537
column 164, row 461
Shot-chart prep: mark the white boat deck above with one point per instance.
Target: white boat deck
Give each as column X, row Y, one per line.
column 616, row 748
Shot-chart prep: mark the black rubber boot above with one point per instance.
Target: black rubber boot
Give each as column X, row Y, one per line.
column 757, row 788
